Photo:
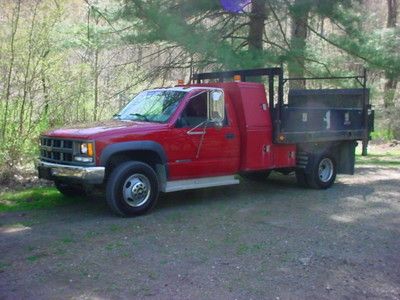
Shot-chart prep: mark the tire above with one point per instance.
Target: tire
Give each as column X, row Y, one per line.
column 301, row 178
column 323, row 172
column 132, row 189
column 70, row 190
column 257, row 176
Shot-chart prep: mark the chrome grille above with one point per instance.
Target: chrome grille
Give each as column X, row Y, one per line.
column 56, row 150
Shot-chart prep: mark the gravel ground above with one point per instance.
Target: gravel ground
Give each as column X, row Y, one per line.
column 268, row 240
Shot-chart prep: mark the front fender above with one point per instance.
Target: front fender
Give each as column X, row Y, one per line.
column 112, row 149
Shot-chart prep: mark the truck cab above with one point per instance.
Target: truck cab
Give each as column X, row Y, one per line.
column 190, row 136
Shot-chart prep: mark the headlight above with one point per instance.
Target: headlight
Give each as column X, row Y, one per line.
column 87, row 148
column 84, row 148
column 84, row 152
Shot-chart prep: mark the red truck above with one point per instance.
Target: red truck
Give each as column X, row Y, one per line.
column 206, row 133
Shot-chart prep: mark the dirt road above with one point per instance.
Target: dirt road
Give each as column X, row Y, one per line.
column 268, row 240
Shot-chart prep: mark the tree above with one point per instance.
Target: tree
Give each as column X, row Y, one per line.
column 14, row 27
column 300, row 13
column 391, row 79
column 257, row 19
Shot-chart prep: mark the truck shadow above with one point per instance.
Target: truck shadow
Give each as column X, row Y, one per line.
column 276, row 188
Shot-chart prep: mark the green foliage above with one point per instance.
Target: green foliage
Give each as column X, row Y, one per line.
column 53, row 62
column 384, row 134
column 36, row 198
column 159, row 22
column 377, row 47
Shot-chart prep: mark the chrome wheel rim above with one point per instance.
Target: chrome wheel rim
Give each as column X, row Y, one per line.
column 136, row 190
column 325, row 170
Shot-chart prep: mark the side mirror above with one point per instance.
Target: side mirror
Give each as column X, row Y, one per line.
column 216, row 107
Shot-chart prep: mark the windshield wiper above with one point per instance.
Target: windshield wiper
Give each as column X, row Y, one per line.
column 117, row 116
column 141, row 116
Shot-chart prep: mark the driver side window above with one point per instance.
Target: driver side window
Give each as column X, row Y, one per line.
column 195, row 112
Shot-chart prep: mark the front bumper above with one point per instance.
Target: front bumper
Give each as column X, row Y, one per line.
column 88, row 175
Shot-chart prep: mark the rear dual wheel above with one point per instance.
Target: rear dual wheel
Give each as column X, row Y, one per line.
column 321, row 175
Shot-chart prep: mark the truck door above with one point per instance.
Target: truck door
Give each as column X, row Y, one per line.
column 209, row 144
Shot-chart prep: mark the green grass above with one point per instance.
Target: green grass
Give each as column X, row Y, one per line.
column 383, row 134
column 116, row 228
column 114, row 246
column 3, row 266
column 387, row 159
column 67, row 240
column 34, row 198
column 381, row 162
column 34, row 258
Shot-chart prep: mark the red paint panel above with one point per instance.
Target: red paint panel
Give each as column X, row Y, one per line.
column 254, row 122
column 284, row 156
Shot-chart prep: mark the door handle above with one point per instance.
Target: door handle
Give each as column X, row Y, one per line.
column 195, row 132
column 230, row 136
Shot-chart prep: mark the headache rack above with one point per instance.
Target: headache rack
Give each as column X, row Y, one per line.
column 310, row 115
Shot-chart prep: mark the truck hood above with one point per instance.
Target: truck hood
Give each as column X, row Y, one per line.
column 102, row 128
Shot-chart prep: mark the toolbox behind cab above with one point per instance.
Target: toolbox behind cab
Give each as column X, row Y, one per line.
column 325, row 115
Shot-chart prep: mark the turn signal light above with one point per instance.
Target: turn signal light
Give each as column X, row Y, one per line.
column 90, row 149
column 181, row 82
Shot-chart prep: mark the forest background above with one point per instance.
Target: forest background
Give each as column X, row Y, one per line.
column 73, row 61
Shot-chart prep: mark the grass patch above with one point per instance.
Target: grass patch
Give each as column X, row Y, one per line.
column 386, row 158
column 91, row 234
column 381, row 162
column 114, row 246
column 35, row 198
column 34, row 258
column 3, row 266
column 67, row 240
column 116, row 228
column 242, row 249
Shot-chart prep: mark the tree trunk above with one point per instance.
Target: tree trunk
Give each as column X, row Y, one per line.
column 27, row 69
column 14, row 28
column 255, row 35
column 96, row 83
column 256, row 25
column 391, row 80
column 298, row 43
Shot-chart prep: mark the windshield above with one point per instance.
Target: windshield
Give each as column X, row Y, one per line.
column 152, row 106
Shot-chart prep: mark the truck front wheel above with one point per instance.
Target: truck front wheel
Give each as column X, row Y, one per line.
column 323, row 172
column 132, row 189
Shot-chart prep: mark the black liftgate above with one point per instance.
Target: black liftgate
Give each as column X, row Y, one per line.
column 311, row 116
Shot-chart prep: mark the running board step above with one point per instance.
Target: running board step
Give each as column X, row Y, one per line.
column 198, row 183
